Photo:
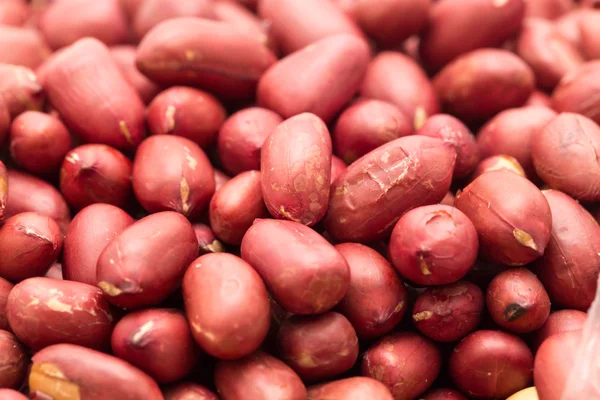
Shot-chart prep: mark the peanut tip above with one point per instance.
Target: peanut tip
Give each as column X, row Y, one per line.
column 48, row 379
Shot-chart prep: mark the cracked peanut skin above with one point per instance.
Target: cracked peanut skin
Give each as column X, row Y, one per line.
column 406, row 363
column 82, row 246
column 318, row 347
column 433, row 245
column 217, row 289
column 44, row 311
column 96, row 173
column 189, row 391
column 94, row 79
column 491, row 364
column 235, row 206
column 512, row 217
column 450, row 312
column 517, row 301
column 302, row 270
column 337, row 64
column 566, row 153
column 296, row 169
column 158, row 341
column 13, row 361
column 172, row 173
column 203, row 53
column 24, row 192
column 396, row 78
column 376, row 298
column 71, row 372
column 258, row 376
column 144, row 263
column 369, row 197
column 29, row 244
column 355, row 388
column 570, row 265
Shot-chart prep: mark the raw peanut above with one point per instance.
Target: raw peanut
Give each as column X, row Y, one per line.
column 124, row 57
column 548, row 53
column 366, row 125
column 45, row 311
column 396, row 78
column 517, row 301
column 355, row 388
column 29, row 244
column 310, row 277
column 450, row 312
column 370, row 196
column 539, row 98
column 10, row 394
column 83, row 245
column 297, row 24
column 145, row 263
column 5, row 288
column 559, row 322
column 217, row 290
column 491, row 364
column 376, row 298
column 172, row 173
column 20, row 89
column 318, row 347
column 406, row 363
column 187, row 112
column 242, row 136
column 235, row 206
column 511, row 132
column 433, row 245
column 589, row 29
column 451, row 130
column 512, row 217
column 94, row 80
column 39, row 142
column 189, row 391
column 96, row 173
column 25, row 193
column 500, row 162
column 296, row 169
column 152, row 12
column 456, row 27
column 339, row 63
column 564, row 147
column 258, row 376
column 67, row 371
column 570, row 266
column 207, row 54
column 245, row 21
column 158, row 341
column 104, row 20
column 388, row 22
column 22, row 46
column 548, row 9
column 576, row 92
column 14, row 13
column 478, row 85
column 13, row 361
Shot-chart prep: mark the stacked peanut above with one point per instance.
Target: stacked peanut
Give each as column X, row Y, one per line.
column 286, row 200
